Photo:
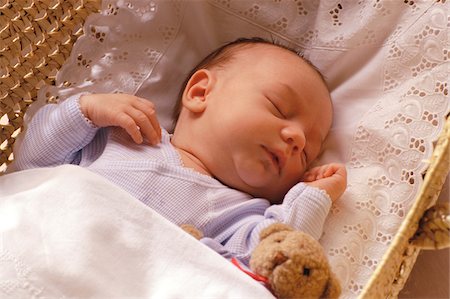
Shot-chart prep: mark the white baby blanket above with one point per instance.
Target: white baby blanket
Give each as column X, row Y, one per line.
column 67, row 232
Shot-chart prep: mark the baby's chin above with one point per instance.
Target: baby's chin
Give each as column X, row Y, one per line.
column 273, row 195
column 259, row 180
column 265, row 187
column 269, row 191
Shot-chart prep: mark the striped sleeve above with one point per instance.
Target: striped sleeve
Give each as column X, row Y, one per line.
column 55, row 136
column 305, row 208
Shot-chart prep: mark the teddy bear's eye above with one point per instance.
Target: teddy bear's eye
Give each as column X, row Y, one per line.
column 306, row 271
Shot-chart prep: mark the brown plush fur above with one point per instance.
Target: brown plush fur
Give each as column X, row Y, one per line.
column 294, row 263
column 192, row 230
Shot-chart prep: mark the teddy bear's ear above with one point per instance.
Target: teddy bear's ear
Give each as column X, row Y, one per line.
column 333, row 287
column 192, row 230
column 274, row 228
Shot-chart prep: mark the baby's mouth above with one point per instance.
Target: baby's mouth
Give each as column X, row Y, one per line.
column 277, row 159
column 274, row 159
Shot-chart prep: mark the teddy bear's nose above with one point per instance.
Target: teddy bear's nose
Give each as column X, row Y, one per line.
column 279, row 258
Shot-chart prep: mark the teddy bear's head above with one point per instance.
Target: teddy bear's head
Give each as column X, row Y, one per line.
column 294, row 264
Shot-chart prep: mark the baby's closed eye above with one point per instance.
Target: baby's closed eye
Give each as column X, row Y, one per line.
column 277, row 109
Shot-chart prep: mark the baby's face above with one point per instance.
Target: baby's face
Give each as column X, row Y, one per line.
column 267, row 115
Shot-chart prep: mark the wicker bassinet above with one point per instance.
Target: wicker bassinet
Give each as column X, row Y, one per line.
column 36, row 39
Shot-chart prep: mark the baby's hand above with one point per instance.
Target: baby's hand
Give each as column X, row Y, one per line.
column 331, row 178
column 136, row 115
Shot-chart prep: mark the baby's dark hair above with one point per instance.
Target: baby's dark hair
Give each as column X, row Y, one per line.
column 223, row 55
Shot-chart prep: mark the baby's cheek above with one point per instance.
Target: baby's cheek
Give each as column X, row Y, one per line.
column 294, row 174
column 253, row 172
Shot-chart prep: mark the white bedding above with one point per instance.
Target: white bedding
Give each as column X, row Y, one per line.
column 386, row 62
column 67, row 232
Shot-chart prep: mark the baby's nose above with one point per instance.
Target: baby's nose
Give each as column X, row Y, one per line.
column 293, row 145
column 295, row 138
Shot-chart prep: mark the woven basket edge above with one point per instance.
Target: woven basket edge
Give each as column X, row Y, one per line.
column 401, row 246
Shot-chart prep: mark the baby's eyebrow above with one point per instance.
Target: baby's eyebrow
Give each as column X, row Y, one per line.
column 289, row 89
column 286, row 94
column 293, row 100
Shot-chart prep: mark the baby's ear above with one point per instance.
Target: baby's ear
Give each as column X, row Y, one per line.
column 196, row 91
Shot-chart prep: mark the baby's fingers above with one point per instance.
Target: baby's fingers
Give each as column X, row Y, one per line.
column 146, row 126
column 332, row 169
column 148, row 108
column 313, row 174
column 127, row 122
column 329, row 171
column 308, row 177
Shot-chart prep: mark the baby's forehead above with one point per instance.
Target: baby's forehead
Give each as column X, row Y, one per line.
column 280, row 56
column 254, row 54
column 256, row 50
column 265, row 61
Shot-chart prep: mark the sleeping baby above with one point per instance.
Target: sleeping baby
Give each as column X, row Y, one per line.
column 251, row 119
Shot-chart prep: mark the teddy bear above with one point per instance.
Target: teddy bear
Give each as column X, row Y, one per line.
column 292, row 263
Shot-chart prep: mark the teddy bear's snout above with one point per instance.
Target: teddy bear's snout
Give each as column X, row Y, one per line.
column 279, row 259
